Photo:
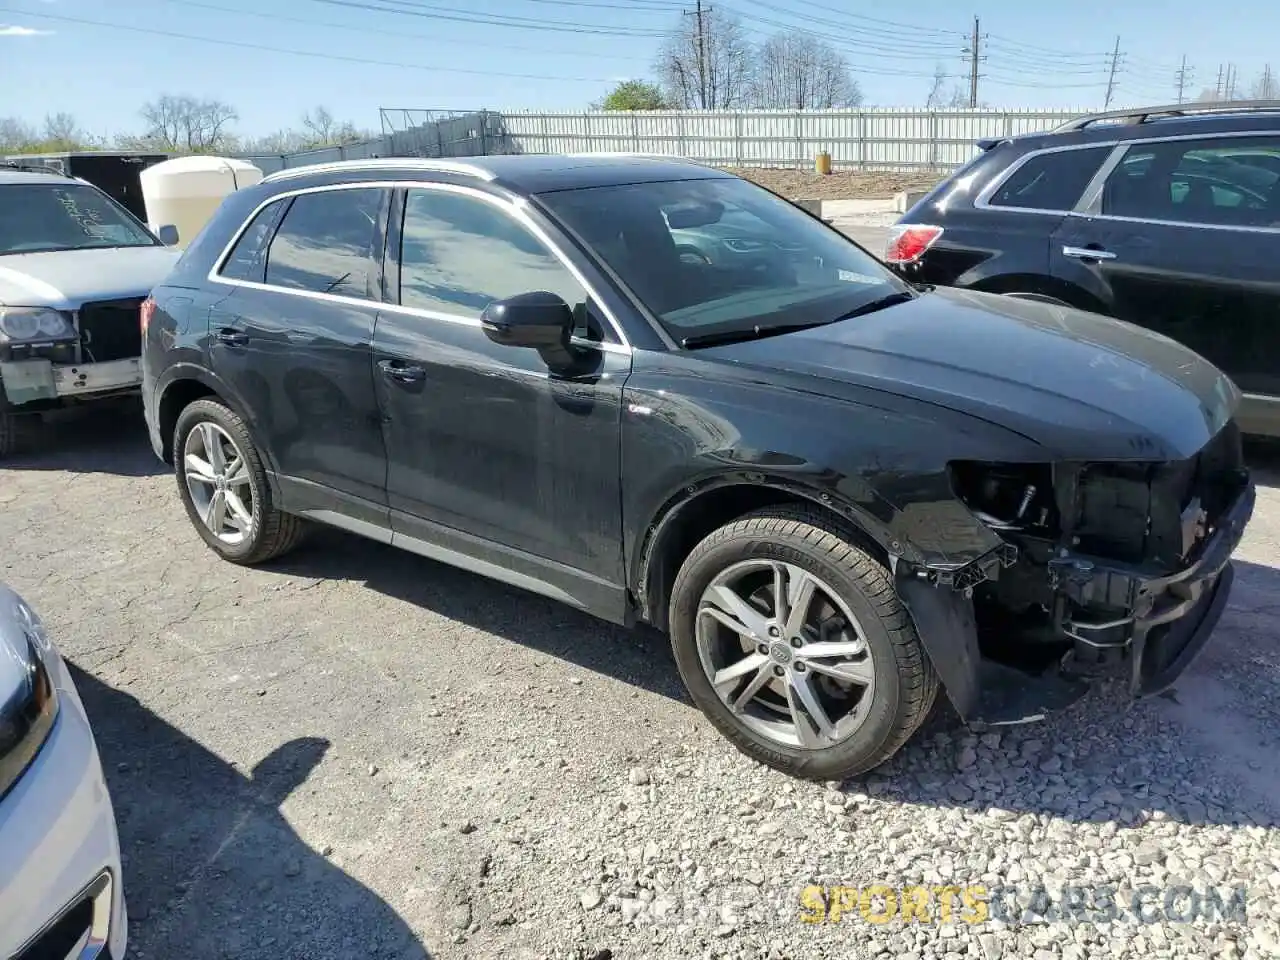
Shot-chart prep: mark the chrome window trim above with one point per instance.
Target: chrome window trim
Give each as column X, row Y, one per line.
column 1094, row 212
column 382, row 163
column 515, row 209
column 980, row 199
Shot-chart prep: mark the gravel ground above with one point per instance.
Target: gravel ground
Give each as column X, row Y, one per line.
column 360, row 753
column 838, row 185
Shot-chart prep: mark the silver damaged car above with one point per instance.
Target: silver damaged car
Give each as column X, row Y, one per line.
column 75, row 268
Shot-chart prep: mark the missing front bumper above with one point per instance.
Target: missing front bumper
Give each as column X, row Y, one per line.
column 28, row 381
column 1158, row 624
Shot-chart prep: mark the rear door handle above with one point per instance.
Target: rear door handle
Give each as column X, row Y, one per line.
column 1088, row 253
column 231, row 337
column 401, row 372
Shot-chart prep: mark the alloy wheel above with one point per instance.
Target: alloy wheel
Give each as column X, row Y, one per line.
column 218, row 482
column 785, row 654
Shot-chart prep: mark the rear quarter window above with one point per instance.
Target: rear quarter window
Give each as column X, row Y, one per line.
column 1050, row 181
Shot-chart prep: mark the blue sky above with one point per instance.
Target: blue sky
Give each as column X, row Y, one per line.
column 63, row 55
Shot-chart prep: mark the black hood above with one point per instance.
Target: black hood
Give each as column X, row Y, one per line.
column 1082, row 386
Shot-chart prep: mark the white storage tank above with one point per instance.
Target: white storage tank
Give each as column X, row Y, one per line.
column 186, row 191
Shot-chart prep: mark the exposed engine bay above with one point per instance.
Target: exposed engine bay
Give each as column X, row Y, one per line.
column 1106, row 557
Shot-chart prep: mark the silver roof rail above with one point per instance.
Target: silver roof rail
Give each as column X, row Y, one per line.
column 382, row 163
column 1138, row 115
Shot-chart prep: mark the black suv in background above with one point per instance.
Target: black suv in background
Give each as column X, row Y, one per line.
column 837, row 493
column 1168, row 217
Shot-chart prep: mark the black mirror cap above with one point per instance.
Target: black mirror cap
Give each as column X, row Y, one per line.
column 539, row 320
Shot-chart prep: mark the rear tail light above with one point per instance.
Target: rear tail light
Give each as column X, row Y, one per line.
column 144, row 314
column 910, row 241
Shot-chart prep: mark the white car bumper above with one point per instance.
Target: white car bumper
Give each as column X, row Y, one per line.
column 60, row 876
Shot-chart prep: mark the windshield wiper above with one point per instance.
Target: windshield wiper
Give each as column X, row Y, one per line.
column 888, row 300
column 757, row 332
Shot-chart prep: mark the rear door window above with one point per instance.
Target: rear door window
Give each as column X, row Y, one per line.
column 1233, row 181
column 1050, row 181
column 326, row 243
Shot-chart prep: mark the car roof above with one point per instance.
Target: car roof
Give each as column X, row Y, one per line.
column 1147, row 123
column 8, row 176
column 520, row 173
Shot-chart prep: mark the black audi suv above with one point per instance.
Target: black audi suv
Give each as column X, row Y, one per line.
column 836, row 492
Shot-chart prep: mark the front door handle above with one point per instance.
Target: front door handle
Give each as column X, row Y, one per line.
column 1087, row 253
column 401, row 372
column 231, row 337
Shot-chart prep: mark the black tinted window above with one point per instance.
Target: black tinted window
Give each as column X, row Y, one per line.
column 325, row 243
column 459, row 253
column 1229, row 182
column 248, row 259
column 1051, row 181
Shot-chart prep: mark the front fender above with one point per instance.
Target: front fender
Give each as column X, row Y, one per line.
column 879, row 461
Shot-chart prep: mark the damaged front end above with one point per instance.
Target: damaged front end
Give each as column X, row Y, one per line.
column 1103, row 567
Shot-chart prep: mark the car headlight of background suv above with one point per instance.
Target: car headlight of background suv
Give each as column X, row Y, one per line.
column 34, row 324
column 28, row 698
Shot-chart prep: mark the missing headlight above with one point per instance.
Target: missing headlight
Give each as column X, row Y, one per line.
column 1008, row 496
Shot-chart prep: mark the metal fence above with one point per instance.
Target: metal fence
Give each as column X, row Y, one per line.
column 872, row 139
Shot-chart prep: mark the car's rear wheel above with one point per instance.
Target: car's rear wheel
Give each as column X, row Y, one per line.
column 224, row 486
column 793, row 642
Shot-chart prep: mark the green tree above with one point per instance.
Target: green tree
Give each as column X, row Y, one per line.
column 635, row 95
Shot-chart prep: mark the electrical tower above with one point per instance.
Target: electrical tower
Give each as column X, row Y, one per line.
column 1217, row 90
column 1182, row 79
column 1111, row 79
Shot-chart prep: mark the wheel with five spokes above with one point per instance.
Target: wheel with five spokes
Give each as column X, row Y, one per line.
column 224, row 486
column 792, row 640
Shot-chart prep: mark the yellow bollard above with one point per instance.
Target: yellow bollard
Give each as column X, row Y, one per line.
column 823, row 163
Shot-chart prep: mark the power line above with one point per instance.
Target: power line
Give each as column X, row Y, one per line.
column 349, row 28
column 844, row 17
column 266, row 48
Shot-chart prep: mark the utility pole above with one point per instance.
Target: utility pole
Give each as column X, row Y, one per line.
column 1229, row 91
column 1183, row 78
column 1267, row 91
column 702, row 59
column 973, row 67
column 1111, row 80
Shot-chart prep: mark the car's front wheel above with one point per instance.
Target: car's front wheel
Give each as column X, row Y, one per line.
column 792, row 640
column 224, row 487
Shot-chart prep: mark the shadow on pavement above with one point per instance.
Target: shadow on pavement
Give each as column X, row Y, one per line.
column 104, row 436
column 640, row 657
column 212, row 869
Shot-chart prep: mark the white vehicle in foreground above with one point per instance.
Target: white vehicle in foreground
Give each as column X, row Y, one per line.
column 60, row 889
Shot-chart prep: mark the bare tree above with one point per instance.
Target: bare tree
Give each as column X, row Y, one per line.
column 798, row 71
column 708, row 68
column 62, row 132
column 16, row 135
column 937, row 89
column 184, row 123
column 324, row 131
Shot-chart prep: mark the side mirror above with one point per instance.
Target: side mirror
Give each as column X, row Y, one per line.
column 540, row 320
column 168, row 235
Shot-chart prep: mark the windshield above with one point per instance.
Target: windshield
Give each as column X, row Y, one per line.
column 72, row 216
column 713, row 257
